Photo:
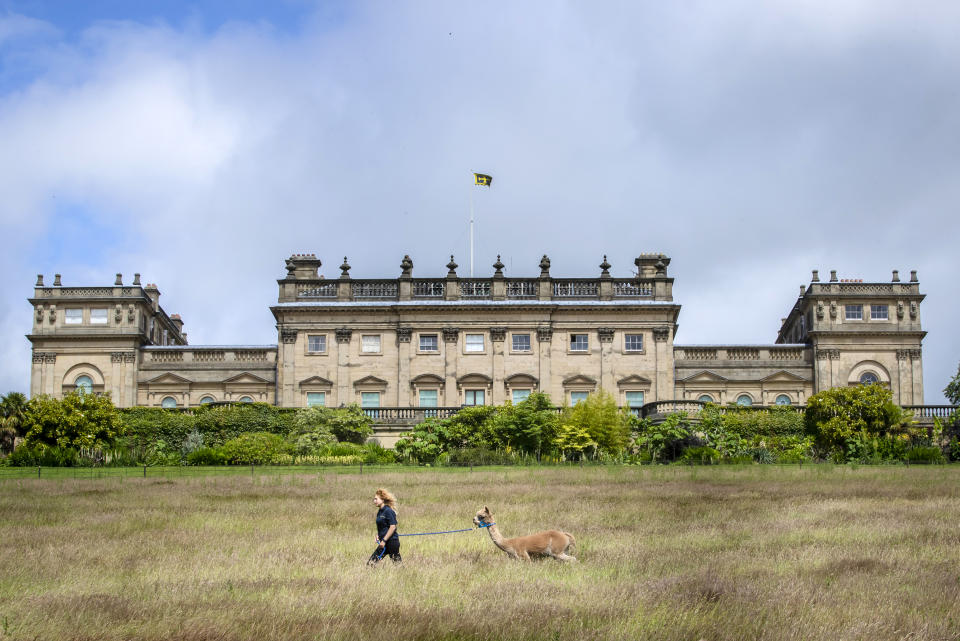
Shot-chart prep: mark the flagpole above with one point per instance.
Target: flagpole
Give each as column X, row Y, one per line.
column 471, row 231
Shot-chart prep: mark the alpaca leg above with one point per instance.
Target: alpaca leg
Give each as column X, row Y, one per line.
column 565, row 557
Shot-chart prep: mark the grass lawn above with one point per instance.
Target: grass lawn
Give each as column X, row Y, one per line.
column 752, row 552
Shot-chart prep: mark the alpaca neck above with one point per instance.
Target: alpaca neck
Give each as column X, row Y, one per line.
column 496, row 537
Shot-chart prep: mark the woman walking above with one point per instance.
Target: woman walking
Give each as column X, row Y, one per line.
column 388, row 542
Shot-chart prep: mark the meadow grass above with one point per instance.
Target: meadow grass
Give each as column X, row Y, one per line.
column 727, row 552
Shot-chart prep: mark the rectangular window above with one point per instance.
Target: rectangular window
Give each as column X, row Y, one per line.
column 576, row 397
column 73, row 316
column 429, row 343
column 317, row 344
column 579, row 342
column 370, row 344
column 854, row 312
column 879, row 312
column 634, row 399
column 316, row 399
column 98, row 316
column 633, row 342
column 521, row 342
column 520, row 395
column 369, row 399
column 473, row 397
column 474, row 343
column 428, row 398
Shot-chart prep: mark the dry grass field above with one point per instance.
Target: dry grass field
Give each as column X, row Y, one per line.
column 755, row 552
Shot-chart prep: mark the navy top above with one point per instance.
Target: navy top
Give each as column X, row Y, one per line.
column 385, row 518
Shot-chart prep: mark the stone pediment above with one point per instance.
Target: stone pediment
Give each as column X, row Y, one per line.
column 474, row 379
column 245, row 378
column 520, row 379
column 634, row 380
column 316, row 381
column 706, row 376
column 427, row 379
column 169, row 378
column 579, row 379
column 371, row 382
column 782, row 376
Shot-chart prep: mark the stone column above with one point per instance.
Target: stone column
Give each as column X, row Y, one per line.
column 916, row 372
column 343, row 335
column 286, row 368
column 115, row 386
column 545, row 347
column 450, row 337
column 403, row 366
column 130, row 378
column 497, row 337
column 36, row 375
column 663, row 361
column 903, row 377
column 606, row 335
column 49, row 364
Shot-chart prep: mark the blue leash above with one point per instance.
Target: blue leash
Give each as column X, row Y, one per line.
column 482, row 525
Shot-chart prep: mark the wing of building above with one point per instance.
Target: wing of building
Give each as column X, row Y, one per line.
column 411, row 342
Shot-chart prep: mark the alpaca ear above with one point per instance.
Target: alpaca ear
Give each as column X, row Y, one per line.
column 486, row 509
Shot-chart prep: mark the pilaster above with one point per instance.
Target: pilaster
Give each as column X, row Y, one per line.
column 544, row 349
column 497, row 338
column 917, row 374
column 344, row 344
column 606, row 335
column 663, row 346
column 450, row 337
column 403, row 366
column 286, row 367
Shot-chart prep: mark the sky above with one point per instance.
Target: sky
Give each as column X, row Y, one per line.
column 202, row 143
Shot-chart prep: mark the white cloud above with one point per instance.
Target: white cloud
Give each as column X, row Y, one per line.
column 750, row 144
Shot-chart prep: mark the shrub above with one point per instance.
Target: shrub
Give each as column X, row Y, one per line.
column 701, row 455
column 206, row 456
column 26, row 455
column 350, row 424
column 604, row 423
column 256, row 448
column 76, row 421
column 924, row 454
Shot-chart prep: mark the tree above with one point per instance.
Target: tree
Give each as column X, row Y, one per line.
column 13, row 409
column 350, row 424
column 606, row 424
column 841, row 417
column 78, row 421
column 952, row 390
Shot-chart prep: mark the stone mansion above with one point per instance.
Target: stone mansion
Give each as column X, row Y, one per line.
column 413, row 342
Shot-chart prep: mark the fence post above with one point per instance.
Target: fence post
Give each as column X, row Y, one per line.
column 38, row 471
column 361, row 468
column 144, row 471
column 251, row 469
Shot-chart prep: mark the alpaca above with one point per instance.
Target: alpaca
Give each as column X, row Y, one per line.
column 553, row 543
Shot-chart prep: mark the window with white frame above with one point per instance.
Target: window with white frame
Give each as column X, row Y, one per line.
column 879, row 312
column 316, row 343
column 316, row 399
column 428, row 397
column 473, row 343
column 98, row 316
column 473, row 397
column 633, row 342
column 429, row 343
column 370, row 399
column 634, row 399
column 854, row 312
column 73, row 316
column 576, row 397
column 521, row 342
column 519, row 395
column 579, row 342
column 370, row 343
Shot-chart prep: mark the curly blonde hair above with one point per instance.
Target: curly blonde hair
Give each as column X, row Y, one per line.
column 388, row 499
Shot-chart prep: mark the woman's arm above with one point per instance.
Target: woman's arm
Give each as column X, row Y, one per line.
column 390, row 531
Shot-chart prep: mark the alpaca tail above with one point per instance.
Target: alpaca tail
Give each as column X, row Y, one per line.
column 573, row 541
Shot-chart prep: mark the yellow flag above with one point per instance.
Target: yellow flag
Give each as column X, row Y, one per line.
column 482, row 179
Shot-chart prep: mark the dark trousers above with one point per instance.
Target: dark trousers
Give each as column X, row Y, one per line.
column 391, row 549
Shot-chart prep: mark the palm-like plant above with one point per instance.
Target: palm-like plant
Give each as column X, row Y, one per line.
column 13, row 410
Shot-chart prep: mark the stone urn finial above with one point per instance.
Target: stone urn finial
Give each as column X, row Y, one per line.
column 913, row 276
column 56, row 281
column 452, row 268
column 605, row 266
column 345, row 269
column 136, row 279
column 119, row 280
column 406, row 265
column 816, row 276
column 833, row 275
column 896, row 275
column 39, row 280
column 498, row 266
column 544, row 267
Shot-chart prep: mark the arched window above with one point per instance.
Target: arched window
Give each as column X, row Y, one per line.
column 206, row 400
column 168, row 402
column 246, row 399
column 705, row 398
column 744, row 400
column 84, row 384
column 868, row 378
column 783, row 399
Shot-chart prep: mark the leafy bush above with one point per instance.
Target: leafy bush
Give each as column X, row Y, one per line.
column 76, row 421
column 350, row 424
column 256, row 448
column 26, row 455
column 605, row 425
column 924, row 454
column 207, row 456
column 701, row 455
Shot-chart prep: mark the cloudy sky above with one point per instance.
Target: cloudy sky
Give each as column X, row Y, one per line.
column 200, row 143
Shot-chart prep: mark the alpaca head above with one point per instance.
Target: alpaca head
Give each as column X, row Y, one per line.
column 483, row 516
